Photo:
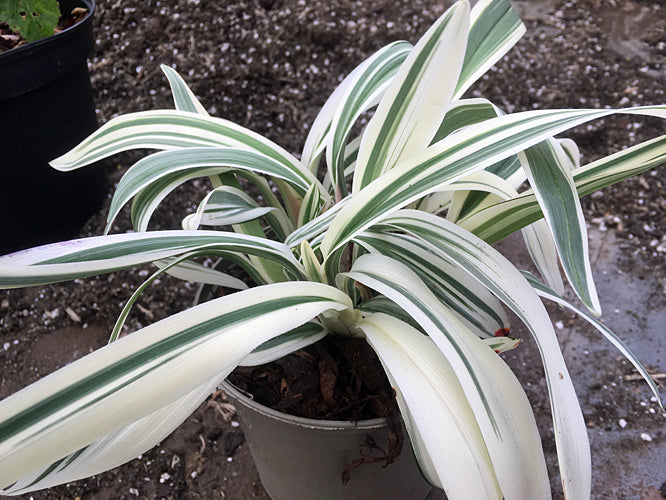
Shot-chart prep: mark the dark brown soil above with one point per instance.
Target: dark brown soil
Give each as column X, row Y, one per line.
column 269, row 65
column 334, row 379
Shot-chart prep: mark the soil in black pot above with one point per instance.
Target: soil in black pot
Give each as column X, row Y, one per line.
column 10, row 39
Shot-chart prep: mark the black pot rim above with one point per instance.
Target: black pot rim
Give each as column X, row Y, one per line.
column 39, row 63
column 63, row 36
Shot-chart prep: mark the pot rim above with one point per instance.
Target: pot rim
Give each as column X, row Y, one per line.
column 40, row 63
column 29, row 48
column 325, row 425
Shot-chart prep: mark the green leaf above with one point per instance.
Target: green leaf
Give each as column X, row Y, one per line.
column 34, row 19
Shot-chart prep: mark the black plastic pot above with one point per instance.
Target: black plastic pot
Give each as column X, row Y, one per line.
column 46, row 108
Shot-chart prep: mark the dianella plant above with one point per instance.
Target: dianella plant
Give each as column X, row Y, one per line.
column 389, row 242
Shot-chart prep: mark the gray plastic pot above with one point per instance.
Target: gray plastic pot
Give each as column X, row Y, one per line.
column 302, row 459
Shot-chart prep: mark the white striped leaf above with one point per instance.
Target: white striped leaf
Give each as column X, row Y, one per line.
column 183, row 97
column 192, row 271
column 278, row 219
column 316, row 226
column 415, row 103
column 309, row 207
column 116, row 448
column 169, row 129
column 502, row 344
column 608, row 334
column 290, row 198
column 465, row 113
column 548, row 170
column 181, row 268
column 537, row 236
column 449, row 444
column 180, row 165
column 483, row 181
column 320, row 131
column 224, row 206
column 146, row 201
column 509, row 170
column 350, row 155
column 279, row 347
column 543, row 252
column 499, row 404
column 495, row 222
column 489, row 267
column 147, row 372
column 380, row 304
column 495, row 28
column 311, row 264
column 103, row 254
column 437, row 202
column 572, row 151
column 457, row 155
column 363, row 89
column 474, row 305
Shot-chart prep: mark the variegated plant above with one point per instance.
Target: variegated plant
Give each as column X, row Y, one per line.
column 394, row 246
